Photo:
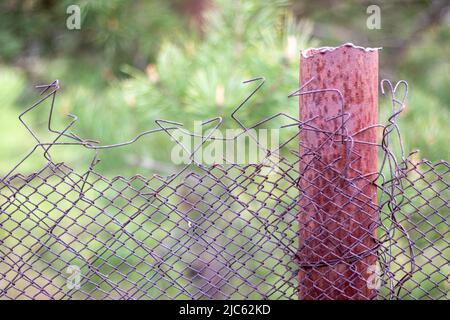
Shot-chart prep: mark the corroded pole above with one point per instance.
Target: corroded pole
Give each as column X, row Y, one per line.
column 338, row 211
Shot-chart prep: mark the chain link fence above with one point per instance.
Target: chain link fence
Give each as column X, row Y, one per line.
column 228, row 231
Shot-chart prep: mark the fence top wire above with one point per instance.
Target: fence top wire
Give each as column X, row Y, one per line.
column 228, row 230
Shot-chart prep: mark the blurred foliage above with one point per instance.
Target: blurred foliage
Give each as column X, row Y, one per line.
column 108, row 35
column 184, row 60
column 199, row 74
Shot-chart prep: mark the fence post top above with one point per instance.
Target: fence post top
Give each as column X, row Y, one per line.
column 308, row 53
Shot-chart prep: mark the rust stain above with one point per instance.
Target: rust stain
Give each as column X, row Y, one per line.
column 345, row 225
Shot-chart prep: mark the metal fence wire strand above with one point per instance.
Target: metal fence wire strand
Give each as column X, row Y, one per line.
column 229, row 231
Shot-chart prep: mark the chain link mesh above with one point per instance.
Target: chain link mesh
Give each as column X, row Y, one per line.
column 227, row 232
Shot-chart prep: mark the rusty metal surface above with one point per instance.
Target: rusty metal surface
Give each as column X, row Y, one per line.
column 338, row 199
column 230, row 231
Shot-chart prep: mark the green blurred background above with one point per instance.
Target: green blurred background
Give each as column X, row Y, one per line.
column 135, row 61
column 184, row 60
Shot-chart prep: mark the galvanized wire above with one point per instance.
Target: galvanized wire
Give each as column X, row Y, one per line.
column 226, row 231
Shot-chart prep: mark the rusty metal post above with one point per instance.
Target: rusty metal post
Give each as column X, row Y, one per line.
column 338, row 211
